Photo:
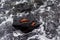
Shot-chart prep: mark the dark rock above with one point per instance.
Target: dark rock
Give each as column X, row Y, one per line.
column 25, row 27
column 23, row 7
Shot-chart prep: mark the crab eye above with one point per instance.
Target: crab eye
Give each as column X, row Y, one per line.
column 33, row 23
column 24, row 20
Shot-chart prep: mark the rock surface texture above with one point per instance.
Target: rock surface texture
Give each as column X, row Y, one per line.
column 29, row 19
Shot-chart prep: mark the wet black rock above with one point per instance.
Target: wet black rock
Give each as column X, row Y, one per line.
column 23, row 7
column 26, row 26
column 39, row 2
